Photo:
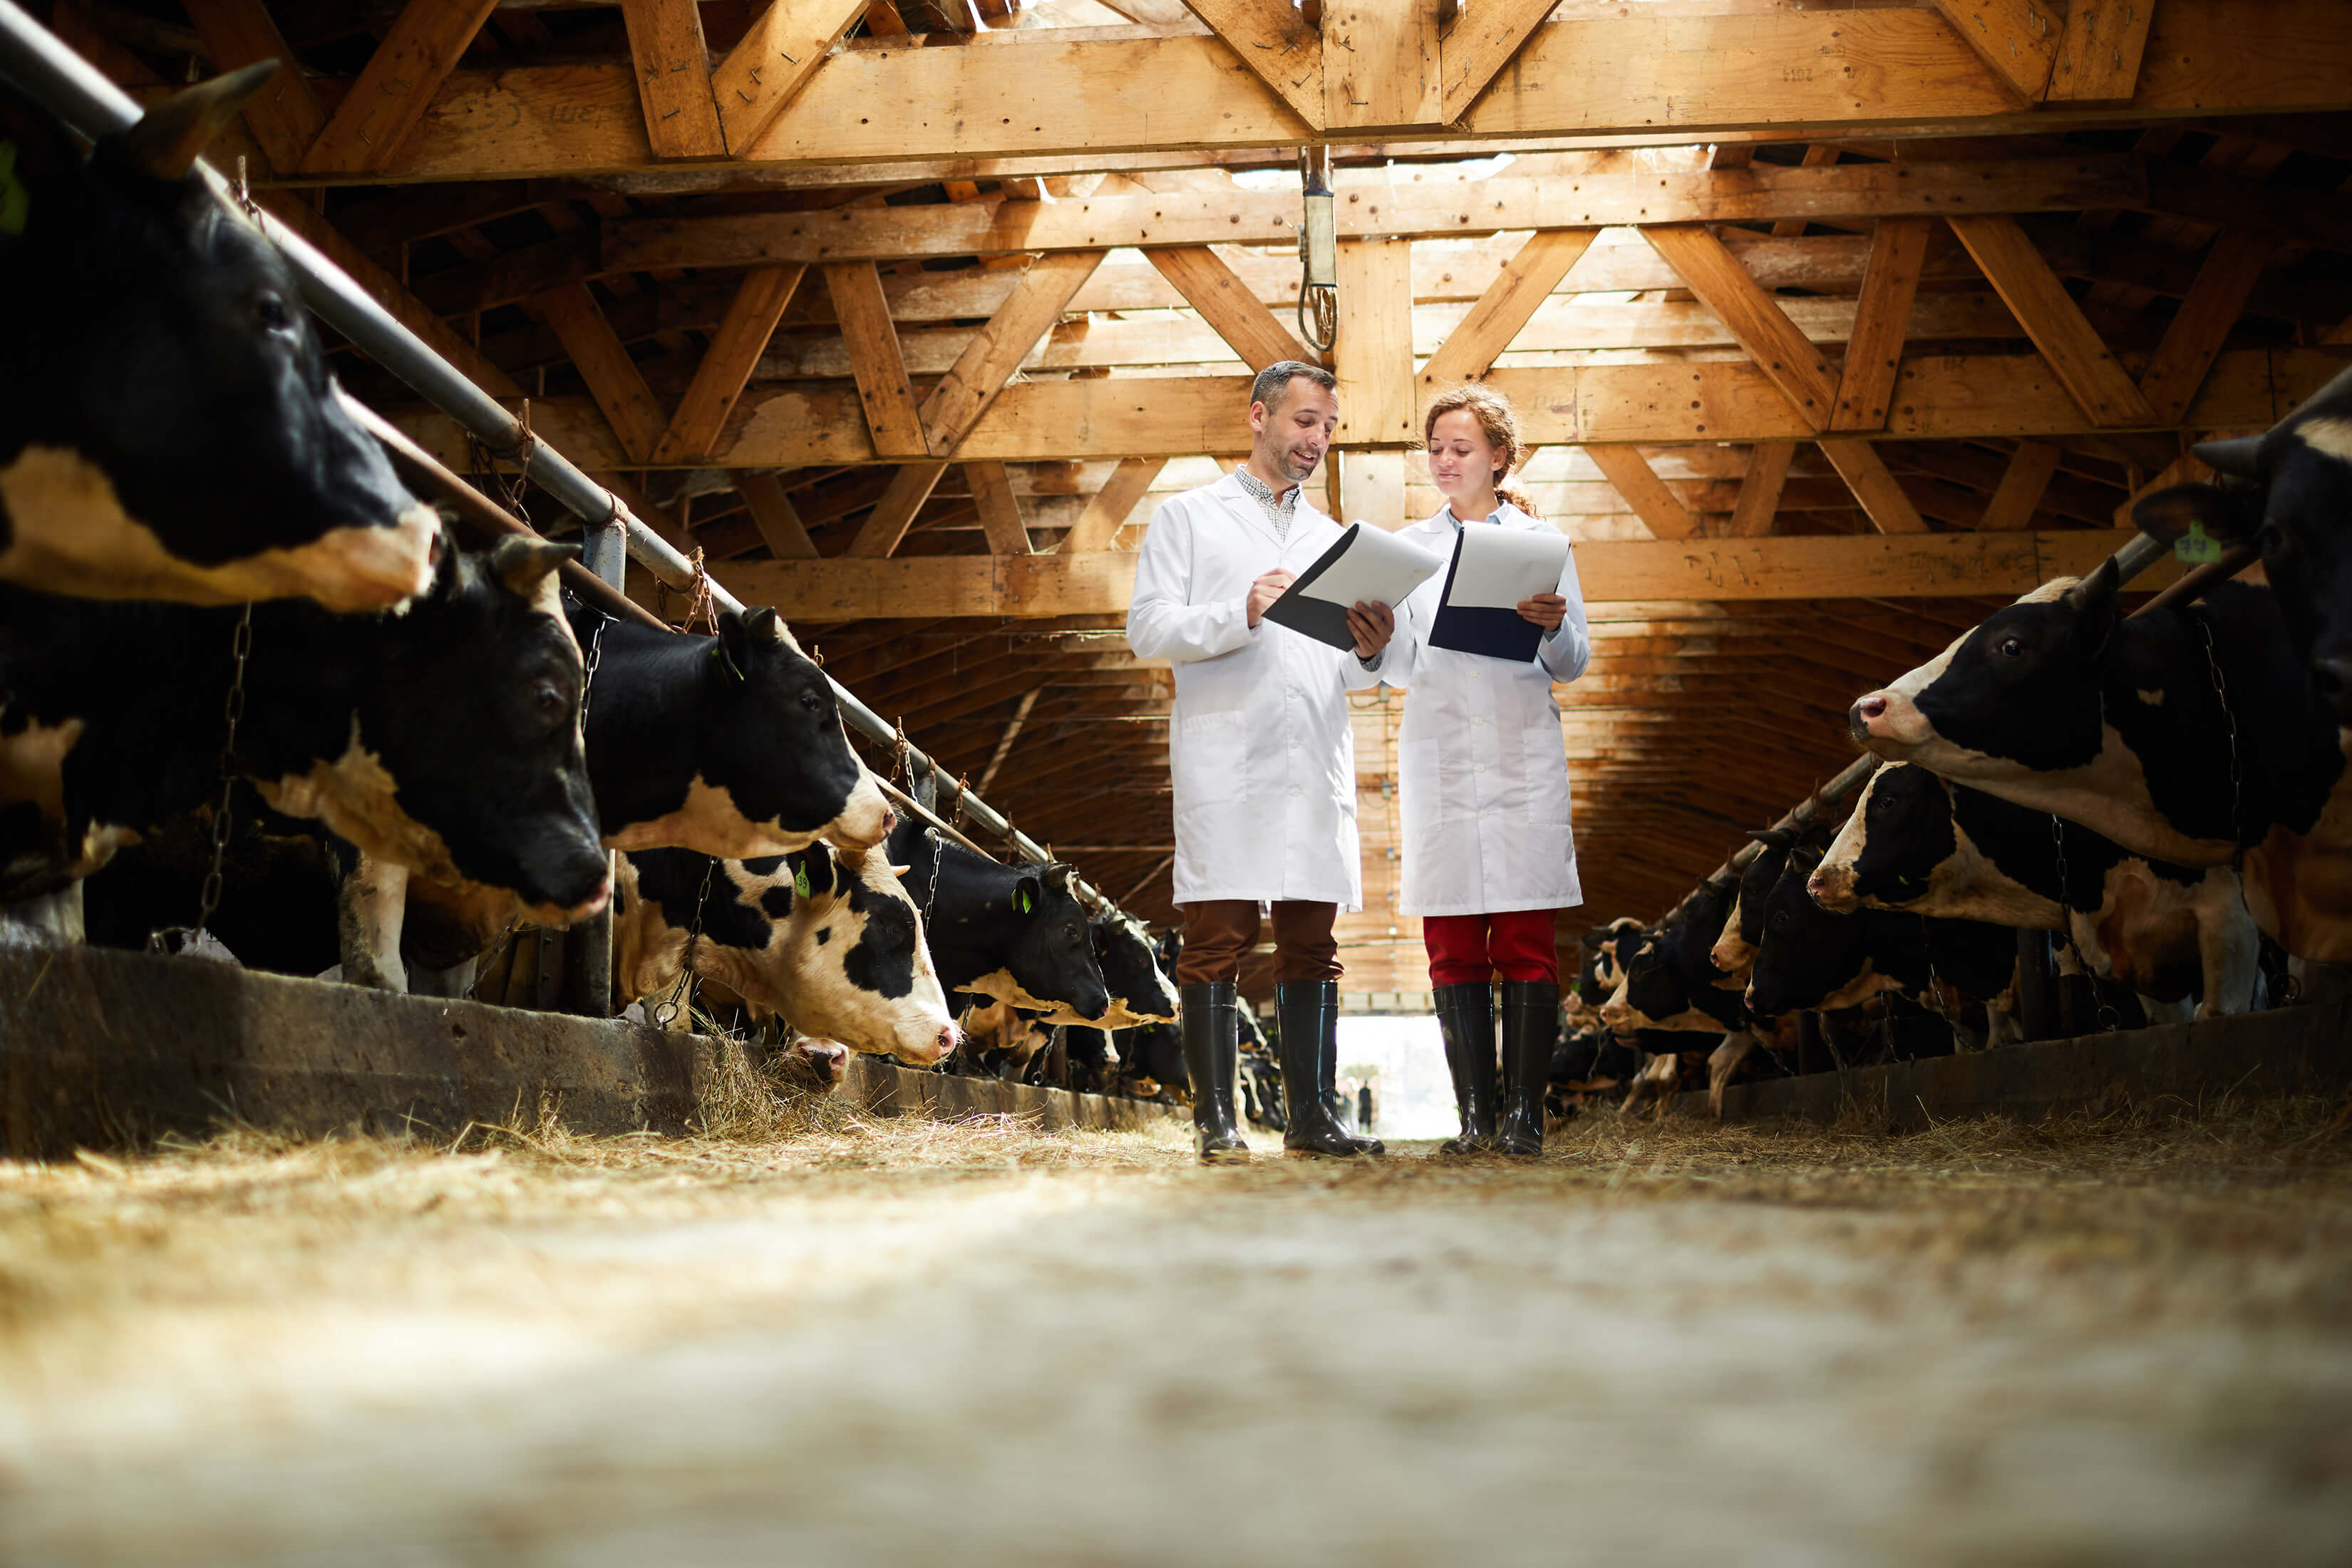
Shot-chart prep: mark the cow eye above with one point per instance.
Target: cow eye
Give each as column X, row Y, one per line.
column 549, row 701
column 269, row 311
column 2010, row 647
column 811, row 702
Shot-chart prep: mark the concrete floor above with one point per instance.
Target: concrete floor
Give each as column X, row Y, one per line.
column 907, row 1343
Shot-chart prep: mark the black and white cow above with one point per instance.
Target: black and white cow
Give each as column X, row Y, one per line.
column 1743, row 928
column 1600, row 968
column 1815, row 959
column 731, row 745
column 827, row 941
column 441, row 739
column 168, row 425
column 1011, row 933
column 2289, row 490
column 1673, row 985
column 1140, row 991
column 1921, row 843
column 2063, row 705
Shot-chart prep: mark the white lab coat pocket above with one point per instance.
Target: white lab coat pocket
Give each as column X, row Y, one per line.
column 1546, row 775
column 1210, row 763
column 1421, row 796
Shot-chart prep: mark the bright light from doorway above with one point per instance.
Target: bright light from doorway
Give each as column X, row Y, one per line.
column 1416, row 1093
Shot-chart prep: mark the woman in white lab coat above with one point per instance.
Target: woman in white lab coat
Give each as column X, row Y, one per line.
column 1488, row 854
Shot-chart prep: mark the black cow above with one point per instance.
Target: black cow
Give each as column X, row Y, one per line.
column 731, row 745
column 1924, row 844
column 1673, row 985
column 168, row 425
column 2291, row 490
column 1600, row 969
column 441, row 740
column 1010, row 934
column 1151, row 1062
column 2059, row 703
column 1140, row 991
column 827, row 939
column 1813, row 958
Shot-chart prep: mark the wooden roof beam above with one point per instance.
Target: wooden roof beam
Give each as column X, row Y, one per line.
column 398, row 84
column 728, row 362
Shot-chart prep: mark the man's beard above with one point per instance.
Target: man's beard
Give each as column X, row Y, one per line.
column 1281, row 462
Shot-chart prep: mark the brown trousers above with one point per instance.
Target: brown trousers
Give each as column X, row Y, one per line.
column 1217, row 934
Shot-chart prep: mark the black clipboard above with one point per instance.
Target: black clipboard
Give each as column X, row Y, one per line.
column 1317, row 619
column 1496, row 631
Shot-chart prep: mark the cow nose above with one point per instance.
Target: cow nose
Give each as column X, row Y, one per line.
column 2333, row 676
column 1860, row 716
column 596, row 902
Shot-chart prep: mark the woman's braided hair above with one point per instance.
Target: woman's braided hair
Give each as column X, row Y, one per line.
column 1499, row 420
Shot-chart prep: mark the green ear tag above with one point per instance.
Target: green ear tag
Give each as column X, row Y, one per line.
column 800, row 881
column 1021, row 899
column 2194, row 548
column 16, row 201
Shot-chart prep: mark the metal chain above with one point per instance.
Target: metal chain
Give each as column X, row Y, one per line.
column 2222, row 695
column 232, row 714
column 588, row 677
column 666, row 1012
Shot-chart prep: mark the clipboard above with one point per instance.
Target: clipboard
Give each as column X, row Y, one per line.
column 1370, row 565
column 1478, row 612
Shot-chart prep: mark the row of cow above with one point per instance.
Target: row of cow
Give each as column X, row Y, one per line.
column 419, row 755
column 2166, row 791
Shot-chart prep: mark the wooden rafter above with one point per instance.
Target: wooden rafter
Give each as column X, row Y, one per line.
column 397, row 85
column 892, row 417
column 1227, row 303
column 2100, row 51
column 1373, row 355
column 999, row 508
column 772, row 512
column 1755, row 318
column 1276, row 44
column 2016, row 39
column 1504, row 309
column 1760, row 489
column 988, row 363
column 1380, row 63
column 2078, row 357
column 673, row 72
column 727, row 363
column 1883, row 499
column 1647, row 494
column 614, row 379
column 1881, row 314
column 2202, row 323
column 1119, row 496
column 776, row 57
column 1380, row 211
column 895, row 513
column 1479, row 44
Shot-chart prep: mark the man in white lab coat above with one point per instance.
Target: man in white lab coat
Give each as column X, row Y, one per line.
column 1264, row 768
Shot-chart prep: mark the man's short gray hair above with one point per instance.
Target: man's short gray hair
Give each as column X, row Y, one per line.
column 1268, row 388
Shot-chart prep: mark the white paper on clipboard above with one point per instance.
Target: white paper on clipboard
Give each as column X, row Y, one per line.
column 1376, row 567
column 1501, row 566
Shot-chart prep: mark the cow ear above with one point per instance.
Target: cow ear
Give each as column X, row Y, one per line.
column 2240, row 458
column 523, row 563
column 735, row 640
column 1025, row 894
column 169, row 138
column 2226, row 514
column 2095, row 600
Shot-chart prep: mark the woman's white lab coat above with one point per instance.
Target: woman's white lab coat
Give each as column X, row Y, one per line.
column 1264, row 764
column 1482, row 770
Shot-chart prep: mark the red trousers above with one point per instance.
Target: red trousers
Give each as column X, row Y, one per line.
column 1472, row 950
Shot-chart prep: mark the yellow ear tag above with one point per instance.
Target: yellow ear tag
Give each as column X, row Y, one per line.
column 2195, row 548
column 800, row 881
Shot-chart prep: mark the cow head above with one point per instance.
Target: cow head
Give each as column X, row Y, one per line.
column 1808, row 953
column 1900, row 834
column 1131, row 971
column 465, row 761
column 827, row 941
column 168, row 425
column 1053, row 957
column 1602, row 969
column 1743, row 928
column 2018, row 695
column 772, row 738
column 2290, row 492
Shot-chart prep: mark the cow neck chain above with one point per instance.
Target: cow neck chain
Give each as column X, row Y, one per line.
column 2108, row 1019
column 2222, row 695
column 668, row 1011
column 588, row 677
column 232, row 714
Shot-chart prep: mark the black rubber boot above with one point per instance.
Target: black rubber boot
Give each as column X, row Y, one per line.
column 1309, row 1012
column 1213, row 1052
column 1530, row 1030
column 1465, row 1016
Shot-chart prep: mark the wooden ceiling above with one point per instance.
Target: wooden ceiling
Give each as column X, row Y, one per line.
column 1838, row 323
